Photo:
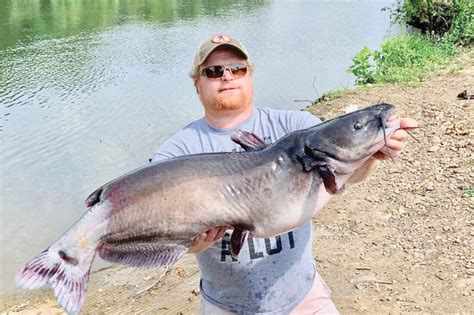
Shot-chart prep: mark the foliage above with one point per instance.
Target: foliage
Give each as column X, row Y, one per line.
column 461, row 31
column 453, row 18
column 433, row 17
column 403, row 58
column 409, row 58
column 447, row 25
column 363, row 68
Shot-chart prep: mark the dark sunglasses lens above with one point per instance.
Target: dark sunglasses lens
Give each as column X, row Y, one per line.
column 214, row 72
column 238, row 70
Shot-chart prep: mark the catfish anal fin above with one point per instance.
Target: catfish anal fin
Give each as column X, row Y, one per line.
column 145, row 254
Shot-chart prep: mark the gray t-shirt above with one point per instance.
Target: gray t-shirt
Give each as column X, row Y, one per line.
column 270, row 275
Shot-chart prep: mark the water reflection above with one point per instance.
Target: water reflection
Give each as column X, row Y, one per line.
column 24, row 21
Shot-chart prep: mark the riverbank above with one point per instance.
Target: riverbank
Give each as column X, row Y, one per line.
column 400, row 242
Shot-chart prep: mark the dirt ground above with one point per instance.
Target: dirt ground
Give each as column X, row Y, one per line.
column 400, row 242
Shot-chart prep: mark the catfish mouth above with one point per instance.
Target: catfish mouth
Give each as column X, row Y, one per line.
column 333, row 161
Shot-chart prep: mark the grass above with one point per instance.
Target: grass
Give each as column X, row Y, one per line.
column 457, row 68
column 469, row 192
column 337, row 93
column 323, row 101
column 405, row 58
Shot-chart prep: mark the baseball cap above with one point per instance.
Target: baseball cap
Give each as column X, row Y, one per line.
column 209, row 45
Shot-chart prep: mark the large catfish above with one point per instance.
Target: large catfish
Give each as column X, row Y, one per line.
column 149, row 216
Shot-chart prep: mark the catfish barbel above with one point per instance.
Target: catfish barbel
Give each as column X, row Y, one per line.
column 150, row 216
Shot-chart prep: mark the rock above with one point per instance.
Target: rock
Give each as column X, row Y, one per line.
column 363, row 279
column 371, row 198
column 401, row 210
column 435, row 139
column 429, row 186
column 321, row 232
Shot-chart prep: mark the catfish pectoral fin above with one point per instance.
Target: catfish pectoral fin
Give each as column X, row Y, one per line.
column 237, row 240
column 308, row 163
column 142, row 254
column 329, row 178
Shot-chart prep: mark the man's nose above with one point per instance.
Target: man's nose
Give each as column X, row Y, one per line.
column 227, row 76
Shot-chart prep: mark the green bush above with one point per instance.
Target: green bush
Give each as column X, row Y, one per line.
column 453, row 18
column 362, row 68
column 447, row 25
column 461, row 31
column 408, row 58
column 404, row 58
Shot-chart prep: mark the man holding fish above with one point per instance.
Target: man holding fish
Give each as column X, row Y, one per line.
column 185, row 201
column 275, row 275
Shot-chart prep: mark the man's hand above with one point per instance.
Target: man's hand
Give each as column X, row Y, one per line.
column 204, row 240
column 395, row 145
column 398, row 141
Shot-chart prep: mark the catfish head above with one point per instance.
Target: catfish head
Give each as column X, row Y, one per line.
column 342, row 144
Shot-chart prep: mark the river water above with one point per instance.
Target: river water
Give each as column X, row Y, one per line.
column 89, row 89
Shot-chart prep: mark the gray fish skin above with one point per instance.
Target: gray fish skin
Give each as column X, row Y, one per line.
column 149, row 216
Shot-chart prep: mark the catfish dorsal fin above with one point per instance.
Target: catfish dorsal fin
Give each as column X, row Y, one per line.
column 94, row 197
column 248, row 140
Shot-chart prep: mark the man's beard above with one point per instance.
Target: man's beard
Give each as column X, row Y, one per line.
column 228, row 104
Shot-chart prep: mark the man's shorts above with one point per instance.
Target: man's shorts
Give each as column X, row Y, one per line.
column 317, row 301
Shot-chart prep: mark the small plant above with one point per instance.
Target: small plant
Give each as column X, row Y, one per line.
column 363, row 68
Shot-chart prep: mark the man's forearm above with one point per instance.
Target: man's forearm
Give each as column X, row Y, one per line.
column 364, row 171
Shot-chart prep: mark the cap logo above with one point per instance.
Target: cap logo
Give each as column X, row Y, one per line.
column 219, row 39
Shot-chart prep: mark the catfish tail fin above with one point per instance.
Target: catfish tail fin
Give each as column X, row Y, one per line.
column 65, row 274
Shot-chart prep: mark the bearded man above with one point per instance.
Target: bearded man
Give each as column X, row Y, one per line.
column 274, row 275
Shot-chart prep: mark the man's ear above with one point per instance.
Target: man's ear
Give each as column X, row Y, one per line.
column 195, row 85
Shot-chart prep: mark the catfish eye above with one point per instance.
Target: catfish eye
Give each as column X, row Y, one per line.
column 358, row 126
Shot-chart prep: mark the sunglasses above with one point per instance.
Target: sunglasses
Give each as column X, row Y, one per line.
column 238, row 70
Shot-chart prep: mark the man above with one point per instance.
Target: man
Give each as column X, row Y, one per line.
column 274, row 275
